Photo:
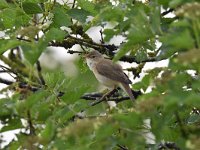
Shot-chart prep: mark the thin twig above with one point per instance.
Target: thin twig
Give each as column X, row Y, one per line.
column 31, row 127
column 167, row 12
column 102, row 40
column 74, row 4
column 39, row 69
column 104, row 97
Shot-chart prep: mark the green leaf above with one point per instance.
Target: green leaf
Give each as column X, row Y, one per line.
column 8, row 44
column 174, row 42
column 155, row 19
column 123, row 50
column 7, row 108
column 55, row 34
column 87, row 6
column 35, row 98
column 12, row 124
column 8, row 16
column 48, row 133
column 144, row 84
column 109, row 33
column 194, row 118
column 79, row 14
column 32, row 51
column 61, row 18
column 3, row 4
column 112, row 14
column 31, row 8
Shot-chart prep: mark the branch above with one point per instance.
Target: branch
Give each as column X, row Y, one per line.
column 7, row 82
column 39, row 69
column 102, row 48
column 167, row 12
column 168, row 145
column 31, row 127
column 115, row 97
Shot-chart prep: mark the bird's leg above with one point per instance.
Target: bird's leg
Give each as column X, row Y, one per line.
column 104, row 97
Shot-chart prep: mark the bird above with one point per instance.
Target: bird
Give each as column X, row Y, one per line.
column 108, row 73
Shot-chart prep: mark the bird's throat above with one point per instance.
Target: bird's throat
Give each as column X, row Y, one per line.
column 91, row 63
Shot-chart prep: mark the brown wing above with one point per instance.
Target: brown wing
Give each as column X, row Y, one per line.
column 112, row 71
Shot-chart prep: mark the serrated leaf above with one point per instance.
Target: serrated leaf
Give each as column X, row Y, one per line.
column 87, row 6
column 31, row 8
column 79, row 14
column 61, row 18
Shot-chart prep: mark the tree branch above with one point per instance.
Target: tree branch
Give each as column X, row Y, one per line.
column 7, row 82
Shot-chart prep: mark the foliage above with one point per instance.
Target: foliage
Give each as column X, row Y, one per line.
column 49, row 103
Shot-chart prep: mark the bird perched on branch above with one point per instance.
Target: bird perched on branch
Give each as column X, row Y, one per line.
column 108, row 73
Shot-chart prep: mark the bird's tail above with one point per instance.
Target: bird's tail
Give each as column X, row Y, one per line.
column 127, row 89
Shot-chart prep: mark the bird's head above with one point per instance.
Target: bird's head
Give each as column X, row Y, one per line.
column 93, row 55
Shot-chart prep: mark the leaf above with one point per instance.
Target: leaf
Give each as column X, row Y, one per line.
column 8, row 44
column 79, row 14
column 35, row 98
column 155, row 19
column 48, row 132
column 55, row 34
column 112, row 14
column 12, row 124
column 7, row 108
column 8, row 16
column 174, row 42
column 32, row 51
column 3, row 4
column 194, row 118
column 144, row 84
column 87, row 6
column 31, row 8
column 61, row 18
column 109, row 33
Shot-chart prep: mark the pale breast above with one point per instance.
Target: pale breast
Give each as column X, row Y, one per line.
column 105, row 81
column 90, row 64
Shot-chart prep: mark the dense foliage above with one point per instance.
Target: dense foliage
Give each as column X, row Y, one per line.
column 44, row 104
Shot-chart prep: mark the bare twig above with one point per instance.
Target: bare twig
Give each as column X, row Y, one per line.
column 39, row 69
column 167, row 12
column 102, row 40
column 31, row 127
column 104, row 97
column 74, row 4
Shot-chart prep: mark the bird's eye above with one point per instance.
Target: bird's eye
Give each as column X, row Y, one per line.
column 93, row 56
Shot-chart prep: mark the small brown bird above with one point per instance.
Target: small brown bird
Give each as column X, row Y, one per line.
column 108, row 73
